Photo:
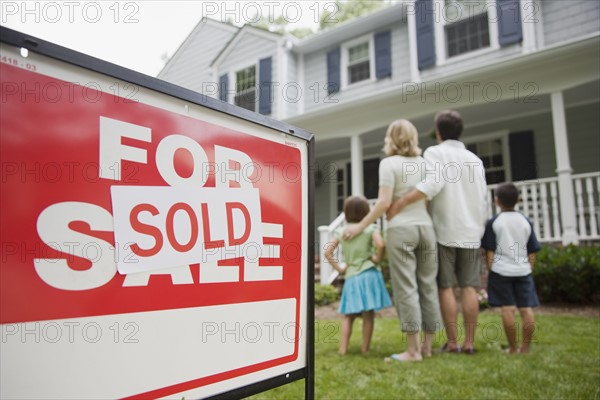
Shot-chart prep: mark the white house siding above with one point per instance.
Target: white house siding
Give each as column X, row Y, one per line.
column 294, row 93
column 466, row 62
column 583, row 126
column 249, row 50
column 568, row 19
column 315, row 80
column 190, row 65
column 315, row 66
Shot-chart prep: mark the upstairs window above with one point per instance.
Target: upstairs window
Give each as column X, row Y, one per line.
column 359, row 63
column 466, row 26
column 245, row 88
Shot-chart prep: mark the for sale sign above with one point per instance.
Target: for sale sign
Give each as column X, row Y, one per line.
column 151, row 246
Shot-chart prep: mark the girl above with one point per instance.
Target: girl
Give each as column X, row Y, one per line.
column 364, row 291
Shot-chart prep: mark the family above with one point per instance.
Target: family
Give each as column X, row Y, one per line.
column 435, row 207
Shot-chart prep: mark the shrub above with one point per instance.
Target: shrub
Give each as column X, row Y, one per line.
column 568, row 274
column 325, row 294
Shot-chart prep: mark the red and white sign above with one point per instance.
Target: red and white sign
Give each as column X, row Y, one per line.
column 150, row 247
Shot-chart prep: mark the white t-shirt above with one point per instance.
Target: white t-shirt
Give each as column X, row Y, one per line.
column 402, row 174
column 455, row 184
column 511, row 237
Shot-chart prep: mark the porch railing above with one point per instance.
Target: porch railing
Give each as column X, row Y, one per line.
column 539, row 202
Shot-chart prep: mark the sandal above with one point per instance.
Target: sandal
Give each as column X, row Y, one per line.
column 446, row 349
column 469, row 351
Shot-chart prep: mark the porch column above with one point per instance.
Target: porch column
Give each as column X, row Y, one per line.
column 356, row 165
column 411, row 19
column 564, row 170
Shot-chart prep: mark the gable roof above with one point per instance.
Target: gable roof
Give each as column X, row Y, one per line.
column 204, row 23
column 245, row 30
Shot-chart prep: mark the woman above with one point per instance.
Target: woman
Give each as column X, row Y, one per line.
column 410, row 240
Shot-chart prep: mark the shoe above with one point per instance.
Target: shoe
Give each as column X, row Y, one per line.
column 445, row 349
column 469, row 351
column 401, row 358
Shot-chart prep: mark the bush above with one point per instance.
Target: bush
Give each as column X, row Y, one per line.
column 325, row 294
column 568, row 274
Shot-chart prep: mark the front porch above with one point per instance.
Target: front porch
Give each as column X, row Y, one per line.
column 555, row 218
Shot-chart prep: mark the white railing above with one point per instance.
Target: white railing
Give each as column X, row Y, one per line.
column 327, row 273
column 587, row 196
column 539, row 202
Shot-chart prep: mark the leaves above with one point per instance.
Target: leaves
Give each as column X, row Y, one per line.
column 568, row 274
column 325, row 294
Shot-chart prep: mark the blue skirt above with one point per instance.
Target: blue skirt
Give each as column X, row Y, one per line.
column 364, row 292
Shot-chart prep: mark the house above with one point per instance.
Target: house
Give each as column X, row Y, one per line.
column 525, row 75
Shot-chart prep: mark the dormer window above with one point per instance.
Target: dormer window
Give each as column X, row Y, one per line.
column 466, row 26
column 245, row 88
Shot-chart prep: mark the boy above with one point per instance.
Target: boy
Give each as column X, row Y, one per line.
column 511, row 244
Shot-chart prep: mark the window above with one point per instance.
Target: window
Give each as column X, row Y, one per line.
column 467, row 26
column 245, row 88
column 357, row 61
column 491, row 153
column 359, row 64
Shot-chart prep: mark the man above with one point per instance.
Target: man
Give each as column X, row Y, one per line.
column 455, row 185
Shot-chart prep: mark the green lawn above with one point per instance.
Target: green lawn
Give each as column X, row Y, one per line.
column 564, row 364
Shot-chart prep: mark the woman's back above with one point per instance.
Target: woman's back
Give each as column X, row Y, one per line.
column 402, row 174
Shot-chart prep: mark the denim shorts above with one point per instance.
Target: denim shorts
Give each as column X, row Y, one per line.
column 511, row 290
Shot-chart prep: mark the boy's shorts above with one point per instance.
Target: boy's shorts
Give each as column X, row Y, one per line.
column 459, row 266
column 511, row 290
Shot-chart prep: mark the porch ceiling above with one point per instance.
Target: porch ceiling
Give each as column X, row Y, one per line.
column 474, row 115
column 524, row 83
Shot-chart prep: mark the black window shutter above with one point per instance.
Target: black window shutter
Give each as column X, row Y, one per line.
column 522, row 156
column 371, row 178
column 509, row 22
column 425, row 13
column 265, row 96
column 223, row 87
column 333, row 71
column 383, row 54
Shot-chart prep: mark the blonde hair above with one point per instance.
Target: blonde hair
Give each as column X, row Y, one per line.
column 402, row 139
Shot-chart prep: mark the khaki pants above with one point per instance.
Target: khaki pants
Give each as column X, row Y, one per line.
column 412, row 255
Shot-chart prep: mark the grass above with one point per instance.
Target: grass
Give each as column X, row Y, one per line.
column 564, row 363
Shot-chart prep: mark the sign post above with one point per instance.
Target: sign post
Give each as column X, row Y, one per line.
column 155, row 242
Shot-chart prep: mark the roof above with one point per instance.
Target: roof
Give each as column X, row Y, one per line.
column 240, row 33
column 353, row 28
column 199, row 26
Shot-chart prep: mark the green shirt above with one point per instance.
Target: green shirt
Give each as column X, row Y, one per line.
column 358, row 251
